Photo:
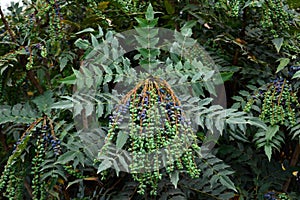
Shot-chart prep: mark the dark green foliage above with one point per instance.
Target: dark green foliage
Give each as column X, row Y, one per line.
column 104, row 110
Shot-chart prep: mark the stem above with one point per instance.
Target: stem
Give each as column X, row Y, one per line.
column 3, row 140
column 31, row 76
column 280, row 95
column 293, row 163
column 28, row 188
column 11, row 33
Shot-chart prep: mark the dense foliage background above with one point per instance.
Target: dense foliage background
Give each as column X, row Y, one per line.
column 46, row 153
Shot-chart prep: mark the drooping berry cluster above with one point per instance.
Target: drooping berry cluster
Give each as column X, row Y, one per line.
column 49, row 139
column 37, row 187
column 159, row 134
column 8, row 180
column 43, row 140
column 279, row 103
column 55, row 20
column 270, row 196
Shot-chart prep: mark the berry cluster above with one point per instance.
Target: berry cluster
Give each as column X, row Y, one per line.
column 73, row 172
column 21, row 140
column 279, row 103
column 38, row 188
column 57, row 8
column 42, row 140
column 159, row 135
column 276, row 196
column 50, row 140
column 275, row 16
column 270, row 196
column 8, row 180
column 54, row 9
column 11, row 179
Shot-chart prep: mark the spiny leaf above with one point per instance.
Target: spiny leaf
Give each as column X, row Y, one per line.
column 121, row 139
column 174, row 176
column 66, row 157
column 268, row 151
column 104, row 165
column 277, row 43
column 227, row 182
column 283, row 62
column 149, row 14
column 296, row 75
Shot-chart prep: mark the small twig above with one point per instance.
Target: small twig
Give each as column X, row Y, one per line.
column 11, row 33
column 114, row 185
column 34, row 81
column 3, row 140
column 28, row 188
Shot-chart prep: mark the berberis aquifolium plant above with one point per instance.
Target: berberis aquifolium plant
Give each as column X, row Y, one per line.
column 145, row 103
column 151, row 133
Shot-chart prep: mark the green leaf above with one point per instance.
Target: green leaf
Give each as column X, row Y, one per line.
column 100, row 32
column 99, row 109
column 296, row 75
column 82, row 44
column 63, row 62
column 142, row 22
column 95, row 42
column 123, row 163
column 44, row 102
column 69, row 80
column 258, row 123
column 63, row 105
column 196, row 77
column 149, row 14
column 226, row 76
column 66, row 157
column 249, row 2
column 278, row 43
column 87, row 30
column 169, row 7
column 268, row 151
column 21, row 147
column 121, row 139
column 74, row 182
column 3, row 69
column 104, row 165
column 225, row 180
column 189, row 24
column 174, row 176
column 283, row 62
column 271, row 131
